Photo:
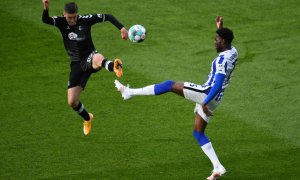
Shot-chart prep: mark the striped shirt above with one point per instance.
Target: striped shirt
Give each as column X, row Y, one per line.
column 224, row 64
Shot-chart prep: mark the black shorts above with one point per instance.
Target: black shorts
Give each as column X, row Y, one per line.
column 81, row 71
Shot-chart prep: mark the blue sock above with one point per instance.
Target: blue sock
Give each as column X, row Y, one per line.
column 201, row 138
column 163, row 87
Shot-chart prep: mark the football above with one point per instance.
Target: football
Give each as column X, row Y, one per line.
column 137, row 33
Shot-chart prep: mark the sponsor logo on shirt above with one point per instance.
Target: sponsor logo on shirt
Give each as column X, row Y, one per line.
column 72, row 36
column 220, row 67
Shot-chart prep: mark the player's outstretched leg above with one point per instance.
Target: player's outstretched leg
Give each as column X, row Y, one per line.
column 155, row 89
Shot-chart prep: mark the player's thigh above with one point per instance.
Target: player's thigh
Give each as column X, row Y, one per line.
column 200, row 124
column 198, row 110
column 75, row 74
column 79, row 77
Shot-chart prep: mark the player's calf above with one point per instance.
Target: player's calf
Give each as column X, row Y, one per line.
column 80, row 109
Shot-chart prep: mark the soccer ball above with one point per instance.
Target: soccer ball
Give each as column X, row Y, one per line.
column 137, row 33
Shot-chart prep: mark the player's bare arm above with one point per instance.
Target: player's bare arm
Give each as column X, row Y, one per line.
column 219, row 22
column 206, row 110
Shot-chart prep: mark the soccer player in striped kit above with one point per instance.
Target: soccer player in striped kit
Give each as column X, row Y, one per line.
column 207, row 96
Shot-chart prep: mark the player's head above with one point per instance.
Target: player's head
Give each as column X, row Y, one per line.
column 70, row 13
column 223, row 39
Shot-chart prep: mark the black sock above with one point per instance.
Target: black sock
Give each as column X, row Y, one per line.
column 82, row 112
column 108, row 65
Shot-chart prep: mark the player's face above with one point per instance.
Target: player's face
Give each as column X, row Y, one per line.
column 219, row 43
column 71, row 18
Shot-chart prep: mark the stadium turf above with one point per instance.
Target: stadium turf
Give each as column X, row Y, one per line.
column 255, row 131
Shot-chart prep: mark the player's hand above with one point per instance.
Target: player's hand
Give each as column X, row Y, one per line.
column 219, row 22
column 124, row 33
column 46, row 4
column 206, row 110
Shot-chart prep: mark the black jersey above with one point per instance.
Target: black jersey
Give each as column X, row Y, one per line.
column 77, row 39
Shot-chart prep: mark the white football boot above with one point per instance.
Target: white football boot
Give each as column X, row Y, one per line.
column 123, row 89
column 216, row 173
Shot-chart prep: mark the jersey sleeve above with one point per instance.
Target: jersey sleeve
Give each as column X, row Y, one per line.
column 221, row 65
column 93, row 18
column 46, row 19
column 99, row 18
column 54, row 21
column 215, row 89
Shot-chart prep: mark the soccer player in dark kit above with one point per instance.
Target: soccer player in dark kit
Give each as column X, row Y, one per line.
column 85, row 60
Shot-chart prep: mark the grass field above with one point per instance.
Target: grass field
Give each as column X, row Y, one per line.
column 255, row 131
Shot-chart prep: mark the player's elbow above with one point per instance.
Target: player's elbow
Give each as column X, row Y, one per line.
column 109, row 17
column 47, row 20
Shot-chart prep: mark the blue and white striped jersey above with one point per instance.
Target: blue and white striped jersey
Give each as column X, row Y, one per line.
column 224, row 64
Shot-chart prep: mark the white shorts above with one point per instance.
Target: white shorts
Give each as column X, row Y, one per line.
column 197, row 93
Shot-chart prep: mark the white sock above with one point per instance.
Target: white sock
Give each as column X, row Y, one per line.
column 210, row 153
column 148, row 90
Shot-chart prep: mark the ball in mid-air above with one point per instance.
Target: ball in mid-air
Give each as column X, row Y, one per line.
column 137, row 33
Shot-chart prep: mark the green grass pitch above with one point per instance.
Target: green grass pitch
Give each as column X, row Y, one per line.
column 255, row 130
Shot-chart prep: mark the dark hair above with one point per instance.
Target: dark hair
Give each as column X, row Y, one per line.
column 226, row 34
column 71, row 8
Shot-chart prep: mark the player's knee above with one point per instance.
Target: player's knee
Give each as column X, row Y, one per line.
column 97, row 61
column 177, row 87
